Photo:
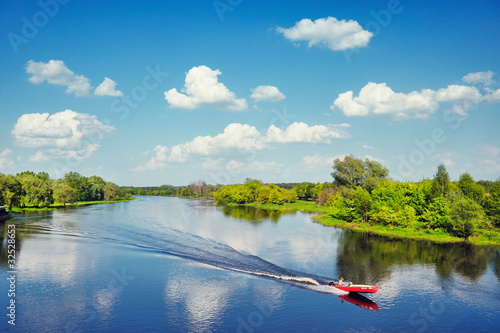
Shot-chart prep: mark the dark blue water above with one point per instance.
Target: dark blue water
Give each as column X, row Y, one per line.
column 181, row 265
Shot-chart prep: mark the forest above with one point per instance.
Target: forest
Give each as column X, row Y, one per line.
column 36, row 190
column 362, row 192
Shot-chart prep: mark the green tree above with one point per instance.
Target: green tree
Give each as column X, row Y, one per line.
column 469, row 187
column 491, row 203
column 110, row 191
column 362, row 203
column 65, row 194
column 36, row 189
column 438, row 215
column 304, row 190
column 353, row 171
column 10, row 190
column 441, row 182
column 467, row 215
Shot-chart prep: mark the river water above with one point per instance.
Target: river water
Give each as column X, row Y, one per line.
column 160, row 264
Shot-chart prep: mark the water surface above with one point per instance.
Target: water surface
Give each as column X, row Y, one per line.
column 161, row 264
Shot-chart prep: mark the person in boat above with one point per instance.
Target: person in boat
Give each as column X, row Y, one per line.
column 340, row 281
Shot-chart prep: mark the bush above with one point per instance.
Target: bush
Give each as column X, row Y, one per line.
column 326, row 197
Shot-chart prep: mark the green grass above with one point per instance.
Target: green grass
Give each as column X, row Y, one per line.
column 486, row 237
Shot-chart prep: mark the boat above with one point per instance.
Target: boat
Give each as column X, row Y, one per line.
column 354, row 288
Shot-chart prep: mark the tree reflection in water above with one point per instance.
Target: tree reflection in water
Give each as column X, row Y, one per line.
column 369, row 258
column 253, row 214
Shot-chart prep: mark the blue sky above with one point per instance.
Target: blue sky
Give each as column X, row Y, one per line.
column 169, row 92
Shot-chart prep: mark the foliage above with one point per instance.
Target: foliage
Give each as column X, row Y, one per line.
column 441, row 182
column 10, row 191
column 29, row 189
column 467, row 216
column 326, row 196
column 254, row 192
column 491, row 204
column 304, row 191
column 469, row 188
column 36, row 189
column 65, row 194
column 353, row 171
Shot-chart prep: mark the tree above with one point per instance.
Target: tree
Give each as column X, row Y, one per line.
column 110, row 191
column 65, row 194
column 304, row 190
column 441, row 182
column 362, row 203
column 467, row 215
column 10, row 190
column 469, row 187
column 353, row 171
column 36, row 189
column 491, row 203
column 75, row 180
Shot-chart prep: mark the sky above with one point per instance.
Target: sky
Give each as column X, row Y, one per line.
column 145, row 93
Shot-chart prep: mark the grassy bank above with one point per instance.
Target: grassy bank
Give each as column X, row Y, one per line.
column 491, row 237
column 57, row 205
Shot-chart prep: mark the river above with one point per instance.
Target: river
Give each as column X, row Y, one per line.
column 159, row 264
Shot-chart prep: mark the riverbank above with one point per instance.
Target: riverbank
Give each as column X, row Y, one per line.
column 490, row 237
column 75, row 204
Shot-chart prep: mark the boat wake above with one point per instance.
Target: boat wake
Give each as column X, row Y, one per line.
column 177, row 243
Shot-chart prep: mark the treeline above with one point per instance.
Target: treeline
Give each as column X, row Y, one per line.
column 362, row 192
column 254, row 191
column 198, row 189
column 30, row 189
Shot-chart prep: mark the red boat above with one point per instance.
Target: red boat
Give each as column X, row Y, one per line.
column 354, row 288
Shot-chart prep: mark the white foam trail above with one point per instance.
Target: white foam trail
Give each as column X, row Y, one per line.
column 304, row 280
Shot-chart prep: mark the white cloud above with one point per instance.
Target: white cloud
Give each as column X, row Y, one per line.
column 5, row 160
column 203, row 89
column 379, row 99
column 67, row 134
column 301, row 132
column 493, row 96
column 479, row 77
column 266, row 93
column 63, row 129
column 39, row 157
column 56, row 72
column 330, row 32
column 79, row 154
column 367, row 147
column 235, row 137
column 157, row 162
column 243, row 137
column 107, row 88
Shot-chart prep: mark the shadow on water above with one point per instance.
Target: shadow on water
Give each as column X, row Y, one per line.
column 369, row 258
